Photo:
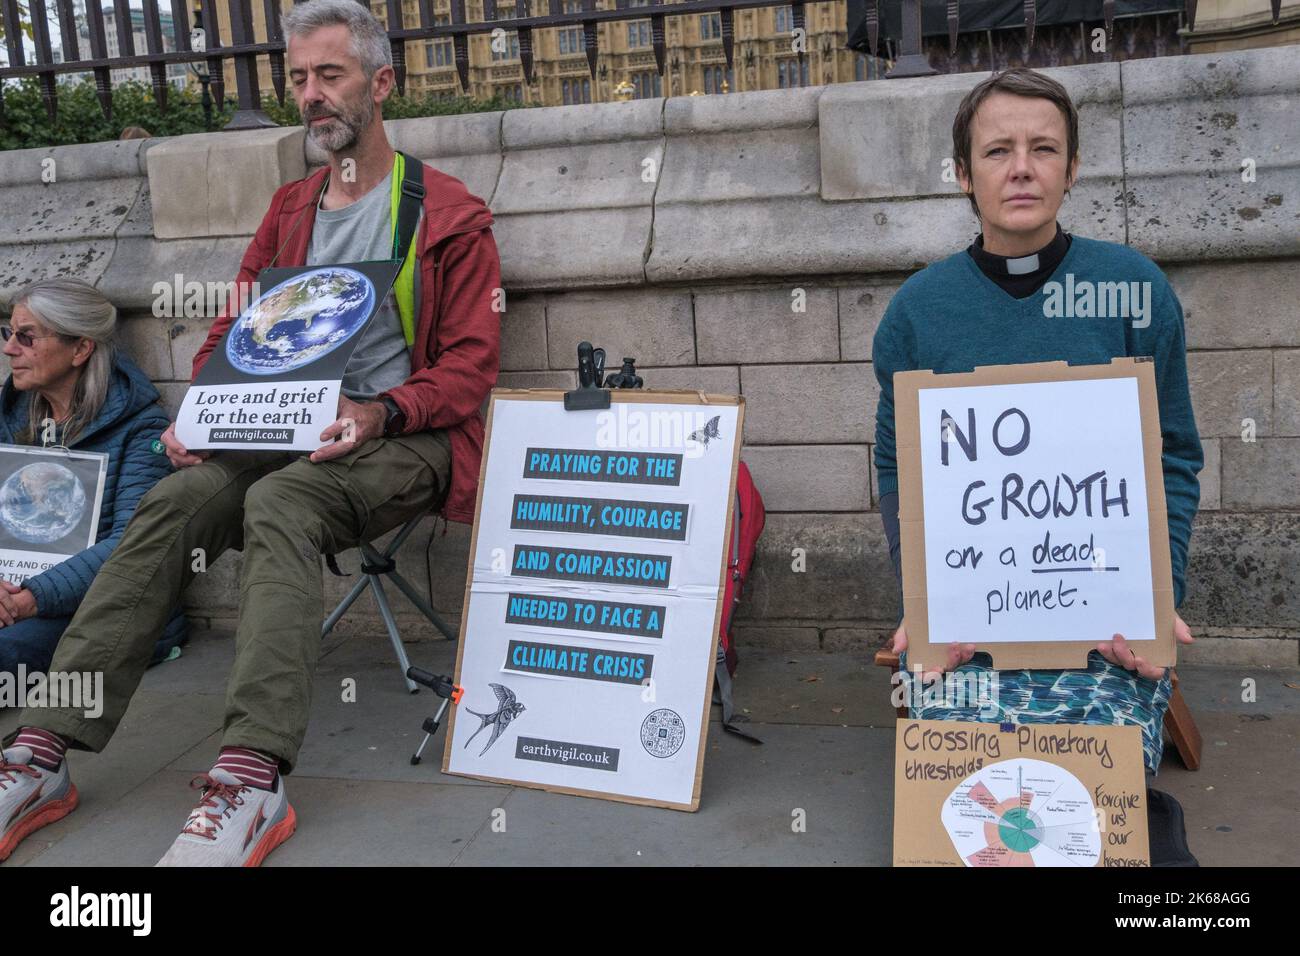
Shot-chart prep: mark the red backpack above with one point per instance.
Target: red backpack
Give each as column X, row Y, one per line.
column 746, row 526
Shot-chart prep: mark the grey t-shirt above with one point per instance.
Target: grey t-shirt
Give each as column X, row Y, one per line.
column 362, row 232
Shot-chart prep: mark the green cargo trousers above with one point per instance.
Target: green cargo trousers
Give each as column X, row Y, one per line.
column 284, row 512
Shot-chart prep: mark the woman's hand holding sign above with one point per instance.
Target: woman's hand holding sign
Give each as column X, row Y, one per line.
column 1120, row 654
column 1115, row 650
column 358, row 422
column 956, row 654
column 16, row 603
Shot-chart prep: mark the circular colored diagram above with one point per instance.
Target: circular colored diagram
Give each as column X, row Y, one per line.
column 1023, row 812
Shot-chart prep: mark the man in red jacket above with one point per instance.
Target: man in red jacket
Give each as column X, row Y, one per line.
column 408, row 439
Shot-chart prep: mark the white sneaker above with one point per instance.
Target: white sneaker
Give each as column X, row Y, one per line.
column 233, row 825
column 30, row 797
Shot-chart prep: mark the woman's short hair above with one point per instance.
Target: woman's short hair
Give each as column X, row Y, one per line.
column 369, row 41
column 1018, row 81
column 74, row 309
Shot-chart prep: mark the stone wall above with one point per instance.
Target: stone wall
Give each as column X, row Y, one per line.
column 687, row 232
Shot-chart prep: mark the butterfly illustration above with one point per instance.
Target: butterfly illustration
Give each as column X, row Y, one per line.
column 709, row 431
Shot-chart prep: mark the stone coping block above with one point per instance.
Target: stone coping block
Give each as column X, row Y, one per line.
column 801, row 236
column 889, row 140
column 68, row 209
column 1190, row 125
column 582, row 124
column 739, row 166
column 561, row 179
column 118, row 159
column 601, row 247
column 760, row 110
column 220, row 184
column 25, row 263
column 433, row 137
column 139, row 264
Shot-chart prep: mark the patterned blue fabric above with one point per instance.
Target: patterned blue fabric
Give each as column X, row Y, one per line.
column 1103, row 695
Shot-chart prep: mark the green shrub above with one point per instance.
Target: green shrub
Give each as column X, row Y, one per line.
column 25, row 123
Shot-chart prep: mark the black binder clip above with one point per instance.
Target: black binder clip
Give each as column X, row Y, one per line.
column 591, row 371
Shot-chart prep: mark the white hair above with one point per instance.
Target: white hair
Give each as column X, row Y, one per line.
column 74, row 309
column 369, row 40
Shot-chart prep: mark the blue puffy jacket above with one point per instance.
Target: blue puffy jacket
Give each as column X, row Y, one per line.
column 127, row 426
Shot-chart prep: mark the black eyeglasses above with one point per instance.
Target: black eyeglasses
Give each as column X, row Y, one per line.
column 25, row 338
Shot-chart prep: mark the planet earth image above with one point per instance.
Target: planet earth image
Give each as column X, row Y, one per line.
column 41, row 503
column 300, row 320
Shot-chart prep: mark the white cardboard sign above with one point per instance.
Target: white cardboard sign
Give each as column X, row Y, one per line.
column 591, row 614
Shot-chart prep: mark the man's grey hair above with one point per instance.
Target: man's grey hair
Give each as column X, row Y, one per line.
column 369, row 40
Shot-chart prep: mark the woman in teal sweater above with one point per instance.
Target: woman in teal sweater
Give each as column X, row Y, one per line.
column 1016, row 296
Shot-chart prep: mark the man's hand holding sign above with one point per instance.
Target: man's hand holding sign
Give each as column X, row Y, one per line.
column 358, row 422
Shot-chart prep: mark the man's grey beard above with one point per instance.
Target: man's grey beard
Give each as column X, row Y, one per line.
column 343, row 130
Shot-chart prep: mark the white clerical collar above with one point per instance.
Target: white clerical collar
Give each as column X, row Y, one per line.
column 1022, row 266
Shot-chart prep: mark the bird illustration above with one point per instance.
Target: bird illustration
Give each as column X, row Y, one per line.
column 710, row 430
column 500, row 718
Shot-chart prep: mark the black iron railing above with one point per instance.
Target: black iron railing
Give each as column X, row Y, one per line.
column 210, row 47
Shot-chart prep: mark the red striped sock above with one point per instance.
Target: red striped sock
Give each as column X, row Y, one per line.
column 249, row 767
column 47, row 748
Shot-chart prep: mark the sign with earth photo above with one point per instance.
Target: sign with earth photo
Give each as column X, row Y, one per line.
column 49, row 507
column 273, row 379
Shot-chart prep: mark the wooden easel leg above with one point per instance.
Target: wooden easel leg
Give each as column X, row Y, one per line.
column 1182, row 728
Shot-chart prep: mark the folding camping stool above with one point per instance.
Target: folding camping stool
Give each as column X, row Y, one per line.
column 374, row 567
column 1178, row 718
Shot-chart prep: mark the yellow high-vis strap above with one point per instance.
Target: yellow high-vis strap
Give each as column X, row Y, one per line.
column 404, row 286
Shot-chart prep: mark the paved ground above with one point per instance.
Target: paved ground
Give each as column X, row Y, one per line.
column 825, row 720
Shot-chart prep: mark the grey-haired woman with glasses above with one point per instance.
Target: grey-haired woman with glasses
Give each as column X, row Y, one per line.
column 71, row 386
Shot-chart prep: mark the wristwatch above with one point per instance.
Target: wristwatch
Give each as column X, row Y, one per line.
column 394, row 419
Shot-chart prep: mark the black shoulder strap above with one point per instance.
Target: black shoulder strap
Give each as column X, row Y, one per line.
column 409, row 205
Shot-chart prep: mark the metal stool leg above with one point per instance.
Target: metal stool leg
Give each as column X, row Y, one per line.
column 422, row 605
column 370, row 556
column 387, row 614
column 344, row 605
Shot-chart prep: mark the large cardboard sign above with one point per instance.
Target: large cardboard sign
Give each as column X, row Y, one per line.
column 272, row 382
column 972, row 794
column 49, row 507
column 1032, row 513
column 591, row 616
